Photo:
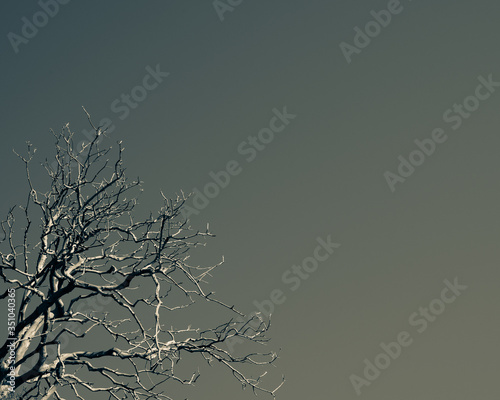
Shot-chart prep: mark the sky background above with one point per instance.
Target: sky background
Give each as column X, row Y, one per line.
column 322, row 175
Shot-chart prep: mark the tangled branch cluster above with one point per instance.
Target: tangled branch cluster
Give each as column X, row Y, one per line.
column 89, row 247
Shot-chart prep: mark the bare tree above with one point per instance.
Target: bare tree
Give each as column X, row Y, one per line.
column 89, row 248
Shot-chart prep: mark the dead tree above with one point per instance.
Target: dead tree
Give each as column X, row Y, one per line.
column 97, row 288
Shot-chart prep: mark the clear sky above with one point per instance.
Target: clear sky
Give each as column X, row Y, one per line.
column 362, row 108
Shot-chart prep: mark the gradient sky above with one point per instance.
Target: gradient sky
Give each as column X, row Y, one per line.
column 323, row 175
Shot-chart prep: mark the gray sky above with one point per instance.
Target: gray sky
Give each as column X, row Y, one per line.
column 324, row 174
